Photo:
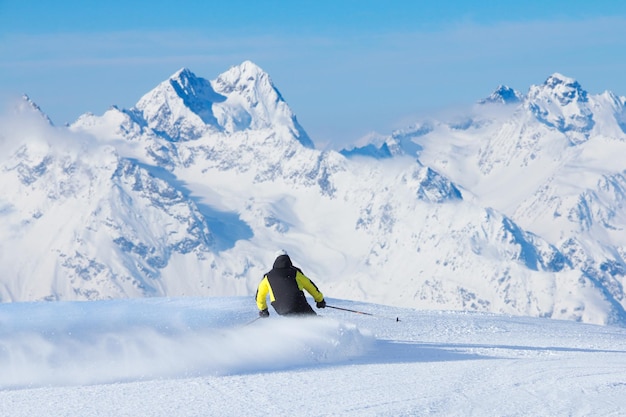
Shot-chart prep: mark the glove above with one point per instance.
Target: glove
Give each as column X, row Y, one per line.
column 321, row 304
column 264, row 313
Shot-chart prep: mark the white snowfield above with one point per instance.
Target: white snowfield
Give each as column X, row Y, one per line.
column 210, row 357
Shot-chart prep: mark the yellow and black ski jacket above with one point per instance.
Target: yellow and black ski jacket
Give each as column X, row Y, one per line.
column 284, row 284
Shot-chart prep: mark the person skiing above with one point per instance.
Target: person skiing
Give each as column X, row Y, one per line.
column 284, row 284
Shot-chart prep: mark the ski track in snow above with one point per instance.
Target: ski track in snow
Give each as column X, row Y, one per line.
column 208, row 356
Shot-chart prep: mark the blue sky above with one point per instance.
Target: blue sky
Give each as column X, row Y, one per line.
column 346, row 68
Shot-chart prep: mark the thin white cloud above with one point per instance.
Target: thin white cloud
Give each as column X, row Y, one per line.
column 454, row 43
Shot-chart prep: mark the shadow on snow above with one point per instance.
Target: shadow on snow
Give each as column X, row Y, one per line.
column 226, row 227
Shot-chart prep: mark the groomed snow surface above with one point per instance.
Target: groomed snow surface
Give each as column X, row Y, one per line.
column 210, row 357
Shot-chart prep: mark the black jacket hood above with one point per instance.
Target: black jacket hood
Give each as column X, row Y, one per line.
column 283, row 261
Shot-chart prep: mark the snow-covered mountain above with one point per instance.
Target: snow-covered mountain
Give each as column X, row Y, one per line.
column 185, row 106
column 515, row 208
column 550, row 162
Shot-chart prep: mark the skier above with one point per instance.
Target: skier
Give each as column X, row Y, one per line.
column 284, row 284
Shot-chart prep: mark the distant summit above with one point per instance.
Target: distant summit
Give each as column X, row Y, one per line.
column 180, row 108
column 197, row 94
column 253, row 102
column 379, row 152
column 29, row 105
column 564, row 89
column 185, row 106
column 560, row 102
column 503, row 94
column 247, row 77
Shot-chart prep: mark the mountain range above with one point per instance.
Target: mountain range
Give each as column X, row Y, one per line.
column 515, row 205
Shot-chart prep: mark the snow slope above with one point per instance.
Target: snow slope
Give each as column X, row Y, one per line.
column 205, row 356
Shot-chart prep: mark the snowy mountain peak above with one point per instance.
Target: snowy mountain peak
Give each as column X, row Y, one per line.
column 561, row 103
column 249, row 81
column 503, row 94
column 179, row 108
column 253, row 102
column 186, row 107
column 564, row 89
column 190, row 88
column 28, row 105
column 245, row 75
column 183, row 73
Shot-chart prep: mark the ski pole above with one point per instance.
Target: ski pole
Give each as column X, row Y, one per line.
column 251, row 321
column 358, row 312
column 347, row 309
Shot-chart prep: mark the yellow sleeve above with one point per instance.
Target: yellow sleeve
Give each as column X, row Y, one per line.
column 309, row 286
column 261, row 293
